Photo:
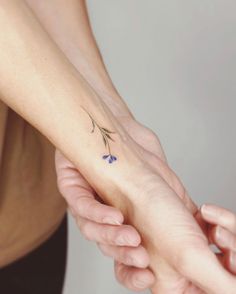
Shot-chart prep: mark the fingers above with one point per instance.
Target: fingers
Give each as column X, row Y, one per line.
column 91, row 209
column 203, row 268
column 226, row 241
column 82, row 203
column 102, row 224
column 124, row 235
column 173, row 181
column 223, row 238
column 227, row 260
column 136, row 257
column 81, row 197
column 219, row 216
column 222, row 233
column 231, row 261
column 133, row 278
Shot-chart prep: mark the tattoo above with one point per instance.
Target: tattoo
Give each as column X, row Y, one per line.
column 106, row 136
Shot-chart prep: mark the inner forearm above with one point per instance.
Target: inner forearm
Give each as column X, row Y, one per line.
column 68, row 24
column 39, row 83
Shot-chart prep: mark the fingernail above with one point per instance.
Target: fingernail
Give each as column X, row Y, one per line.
column 111, row 221
column 208, row 211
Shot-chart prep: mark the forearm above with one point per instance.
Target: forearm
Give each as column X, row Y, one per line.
column 68, row 24
column 39, row 83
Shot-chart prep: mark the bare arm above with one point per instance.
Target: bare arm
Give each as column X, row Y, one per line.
column 68, row 24
column 40, row 83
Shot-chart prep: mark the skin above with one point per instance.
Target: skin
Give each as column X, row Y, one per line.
column 88, row 211
column 99, row 222
column 178, row 249
column 58, row 17
column 221, row 232
column 103, row 224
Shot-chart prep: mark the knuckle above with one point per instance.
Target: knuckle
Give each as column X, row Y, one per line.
column 123, row 255
column 84, row 206
column 103, row 249
column 105, row 235
column 150, row 134
column 126, row 256
column 62, row 184
column 82, row 203
column 85, row 231
column 86, row 203
column 88, row 207
column 78, row 222
column 105, row 253
column 121, row 275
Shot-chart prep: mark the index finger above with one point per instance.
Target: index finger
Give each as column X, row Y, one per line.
column 86, row 206
column 217, row 215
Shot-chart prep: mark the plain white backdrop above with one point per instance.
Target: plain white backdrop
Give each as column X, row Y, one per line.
column 174, row 63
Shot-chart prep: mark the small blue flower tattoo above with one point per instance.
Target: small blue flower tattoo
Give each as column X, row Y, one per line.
column 110, row 158
column 106, row 136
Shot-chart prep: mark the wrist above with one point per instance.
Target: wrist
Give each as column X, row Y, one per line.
column 116, row 104
column 113, row 180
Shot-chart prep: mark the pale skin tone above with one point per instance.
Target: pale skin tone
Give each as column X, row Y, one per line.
column 139, row 179
column 221, row 232
column 59, row 17
column 86, row 58
column 218, row 223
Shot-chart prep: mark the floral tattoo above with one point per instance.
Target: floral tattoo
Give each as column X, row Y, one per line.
column 106, row 136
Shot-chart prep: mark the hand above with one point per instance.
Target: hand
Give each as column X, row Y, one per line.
column 104, row 224
column 179, row 251
column 221, row 232
column 221, row 229
column 189, row 260
column 150, row 144
column 74, row 187
column 157, row 188
column 97, row 221
column 143, row 136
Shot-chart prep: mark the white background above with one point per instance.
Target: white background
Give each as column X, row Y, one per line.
column 174, row 63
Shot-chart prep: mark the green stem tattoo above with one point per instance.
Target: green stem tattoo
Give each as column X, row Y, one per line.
column 106, row 136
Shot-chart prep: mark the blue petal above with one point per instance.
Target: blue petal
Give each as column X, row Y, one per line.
column 114, row 158
column 110, row 160
column 105, row 156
